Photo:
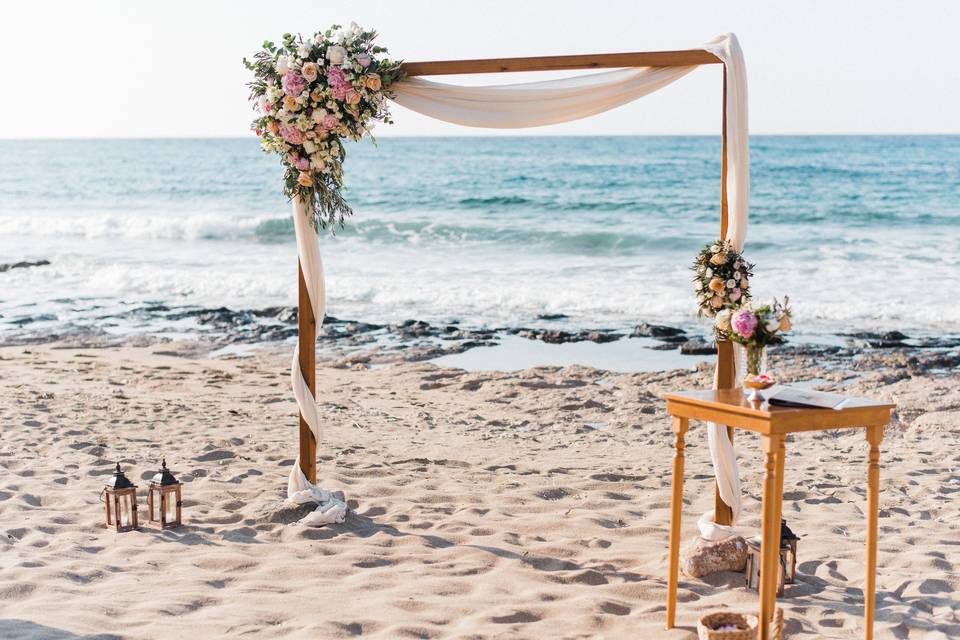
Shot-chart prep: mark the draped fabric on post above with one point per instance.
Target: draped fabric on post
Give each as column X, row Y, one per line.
column 299, row 489
column 738, row 191
column 531, row 105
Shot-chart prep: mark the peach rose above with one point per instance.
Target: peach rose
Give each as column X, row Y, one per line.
column 353, row 97
column 372, row 82
column 317, row 95
column 716, row 302
column 274, row 127
column 290, row 104
column 309, row 71
column 719, row 258
column 716, row 285
column 785, row 324
column 304, row 179
column 743, row 283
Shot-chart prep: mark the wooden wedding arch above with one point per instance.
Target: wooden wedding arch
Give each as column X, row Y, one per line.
column 723, row 514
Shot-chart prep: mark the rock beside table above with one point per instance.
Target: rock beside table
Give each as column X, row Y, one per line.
column 703, row 557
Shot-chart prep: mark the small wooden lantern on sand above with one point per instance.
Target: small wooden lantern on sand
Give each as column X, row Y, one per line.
column 164, row 493
column 120, row 502
column 787, row 563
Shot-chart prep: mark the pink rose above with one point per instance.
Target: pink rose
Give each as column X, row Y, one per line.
column 744, row 323
column 291, row 134
column 340, row 91
column 329, row 121
column 336, row 76
column 293, row 83
column 735, row 295
column 363, row 60
column 299, row 162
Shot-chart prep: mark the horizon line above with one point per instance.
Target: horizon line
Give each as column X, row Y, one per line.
column 454, row 136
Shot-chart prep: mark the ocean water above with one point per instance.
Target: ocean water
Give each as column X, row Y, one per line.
column 862, row 232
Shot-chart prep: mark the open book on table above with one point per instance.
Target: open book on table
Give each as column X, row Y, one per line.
column 785, row 396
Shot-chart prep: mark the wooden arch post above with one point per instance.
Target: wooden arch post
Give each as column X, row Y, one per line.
column 680, row 58
column 307, row 330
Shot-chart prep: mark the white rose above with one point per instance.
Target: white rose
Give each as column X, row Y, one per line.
column 319, row 115
column 283, row 65
column 336, row 54
column 303, row 51
column 709, row 272
column 697, row 285
column 736, row 275
column 723, row 320
column 731, row 284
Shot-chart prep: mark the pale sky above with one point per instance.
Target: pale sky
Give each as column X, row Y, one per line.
column 114, row 68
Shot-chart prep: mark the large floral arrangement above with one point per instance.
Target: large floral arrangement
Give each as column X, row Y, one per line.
column 721, row 278
column 312, row 94
column 755, row 327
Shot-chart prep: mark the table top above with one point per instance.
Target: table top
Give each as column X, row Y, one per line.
column 731, row 407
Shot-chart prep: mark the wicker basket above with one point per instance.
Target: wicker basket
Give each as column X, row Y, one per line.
column 748, row 626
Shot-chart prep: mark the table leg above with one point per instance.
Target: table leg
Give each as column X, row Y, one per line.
column 676, row 504
column 778, row 504
column 770, row 529
column 874, row 437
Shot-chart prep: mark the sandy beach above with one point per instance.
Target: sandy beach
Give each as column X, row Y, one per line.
column 531, row 504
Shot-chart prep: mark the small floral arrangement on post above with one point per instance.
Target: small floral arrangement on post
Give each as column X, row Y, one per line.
column 311, row 94
column 721, row 278
column 755, row 327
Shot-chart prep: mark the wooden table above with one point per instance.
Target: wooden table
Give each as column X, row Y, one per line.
column 730, row 407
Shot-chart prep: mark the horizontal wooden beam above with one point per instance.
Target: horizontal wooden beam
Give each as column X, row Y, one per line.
column 684, row 58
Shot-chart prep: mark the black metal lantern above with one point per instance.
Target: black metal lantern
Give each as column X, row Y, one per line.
column 164, row 493
column 120, row 502
column 788, row 552
column 786, row 560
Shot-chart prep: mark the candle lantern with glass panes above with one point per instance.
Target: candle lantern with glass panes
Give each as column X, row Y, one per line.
column 164, row 499
column 786, row 560
column 120, row 501
column 788, row 552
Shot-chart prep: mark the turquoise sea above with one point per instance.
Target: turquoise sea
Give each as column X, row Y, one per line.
column 862, row 232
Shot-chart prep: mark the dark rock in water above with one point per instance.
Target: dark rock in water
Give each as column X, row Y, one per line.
column 664, row 346
column 888, row 340
column 805, row 349
column 698, row 347
column 660, row 331
column 601, row 337
column 936, row 343
column 552, row 316
column 224, row 317
column 414, row 329
column 347, row 329
column 24, row 320
column 555, row 336
column 940, row 361
column 22, row 265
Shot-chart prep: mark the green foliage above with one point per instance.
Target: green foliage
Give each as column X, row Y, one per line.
column 307, row 127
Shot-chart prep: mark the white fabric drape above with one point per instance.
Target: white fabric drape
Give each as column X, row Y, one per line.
column 722, row 452
column 531, row 105
column 299, row 489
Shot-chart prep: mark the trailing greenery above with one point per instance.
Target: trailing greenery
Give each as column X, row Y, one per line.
column 312, row 93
